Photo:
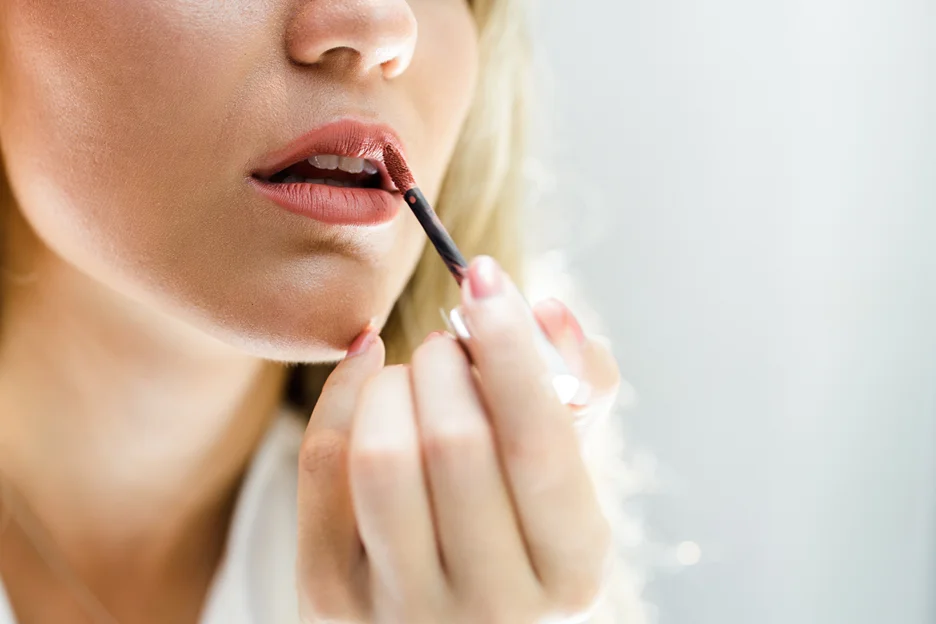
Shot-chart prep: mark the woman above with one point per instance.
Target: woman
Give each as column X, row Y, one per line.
column 157, row 298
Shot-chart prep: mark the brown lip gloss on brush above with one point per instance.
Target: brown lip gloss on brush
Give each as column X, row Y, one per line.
column 428, row 219
column 566, row 385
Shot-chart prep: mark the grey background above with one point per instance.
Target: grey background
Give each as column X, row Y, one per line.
column 753, row 190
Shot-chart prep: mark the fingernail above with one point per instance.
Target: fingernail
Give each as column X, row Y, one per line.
column 582, row 396
column 434, row 335
column 363, row 342
column 558, row 321
column 485, row 278
column 573, row 326
column 457, row 324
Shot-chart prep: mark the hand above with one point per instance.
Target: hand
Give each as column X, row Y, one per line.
column 428, row 496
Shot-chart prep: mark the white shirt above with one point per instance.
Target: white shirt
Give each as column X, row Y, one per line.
column 255, row 583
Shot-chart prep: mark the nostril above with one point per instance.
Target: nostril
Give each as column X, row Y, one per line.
column 343, row 58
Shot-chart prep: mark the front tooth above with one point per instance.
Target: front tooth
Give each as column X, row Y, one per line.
column 369, row 168
column 290, row 179
column 351, row 165
column 311, row 181
column 324, row 161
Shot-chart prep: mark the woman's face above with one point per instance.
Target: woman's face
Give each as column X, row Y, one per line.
column 131, row 130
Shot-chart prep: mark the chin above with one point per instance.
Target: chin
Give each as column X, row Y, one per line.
column 294, row 307
column 292, row 326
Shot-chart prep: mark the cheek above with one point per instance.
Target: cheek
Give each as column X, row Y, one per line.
column 104, row 103
column 122, row 124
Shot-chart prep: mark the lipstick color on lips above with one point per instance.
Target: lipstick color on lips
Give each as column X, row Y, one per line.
column 336, row 205
column 332, row 204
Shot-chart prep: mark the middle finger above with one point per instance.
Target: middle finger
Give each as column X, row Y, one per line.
column 478, row 531
column 388, row 489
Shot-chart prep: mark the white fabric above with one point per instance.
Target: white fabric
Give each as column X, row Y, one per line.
column 255, row 583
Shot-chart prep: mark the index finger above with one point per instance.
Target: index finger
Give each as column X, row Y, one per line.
column 515, row 379
column 562, row 521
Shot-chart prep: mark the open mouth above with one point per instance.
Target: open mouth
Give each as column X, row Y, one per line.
column 334, row 174
column 333, row 170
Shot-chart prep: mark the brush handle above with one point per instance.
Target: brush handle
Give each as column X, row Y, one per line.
column 437, row 233
column 566, row 385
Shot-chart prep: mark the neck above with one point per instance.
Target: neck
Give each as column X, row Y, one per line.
column 120, row 427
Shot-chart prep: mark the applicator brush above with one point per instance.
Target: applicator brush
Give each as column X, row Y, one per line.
column 428, row 219
column 566, row 385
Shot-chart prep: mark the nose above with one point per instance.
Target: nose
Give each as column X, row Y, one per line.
column 356, row 36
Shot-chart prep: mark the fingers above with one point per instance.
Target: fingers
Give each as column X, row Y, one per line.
column 481, row 541
column 568, row 536
column 389, row 492
column 329, row 547
column 423, row 482
column 600, row 371
column 515, row 379
column 563, row 331
column 589, row 359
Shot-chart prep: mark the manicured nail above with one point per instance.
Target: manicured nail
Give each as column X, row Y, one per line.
column 558, row 321
column 434, row 335
column 573, row 326
column 485, row 278
column 363, row 342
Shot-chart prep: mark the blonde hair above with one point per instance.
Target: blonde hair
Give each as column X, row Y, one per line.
column 481, row 202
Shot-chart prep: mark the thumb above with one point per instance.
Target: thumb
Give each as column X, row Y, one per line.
column 329, row 548
column 336, row 403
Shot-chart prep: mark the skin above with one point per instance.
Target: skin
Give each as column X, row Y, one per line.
column 149, row 296
column 430, row 497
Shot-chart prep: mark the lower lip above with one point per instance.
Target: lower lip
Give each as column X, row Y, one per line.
column 335, row 205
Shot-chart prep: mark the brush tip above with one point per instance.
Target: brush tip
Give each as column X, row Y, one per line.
column 396, row 167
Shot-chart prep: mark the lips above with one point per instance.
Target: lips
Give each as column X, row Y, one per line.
column 334, row 174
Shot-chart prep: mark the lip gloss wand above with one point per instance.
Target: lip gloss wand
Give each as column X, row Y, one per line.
column 563, row 381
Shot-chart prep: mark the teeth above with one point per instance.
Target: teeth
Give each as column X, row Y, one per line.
column 330, row 162
column 351, row 165
column 324, row 161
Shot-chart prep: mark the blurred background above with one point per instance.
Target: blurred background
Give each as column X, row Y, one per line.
column 753, row 187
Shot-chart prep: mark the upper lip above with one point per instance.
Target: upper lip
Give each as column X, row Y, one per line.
column 346, row 137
